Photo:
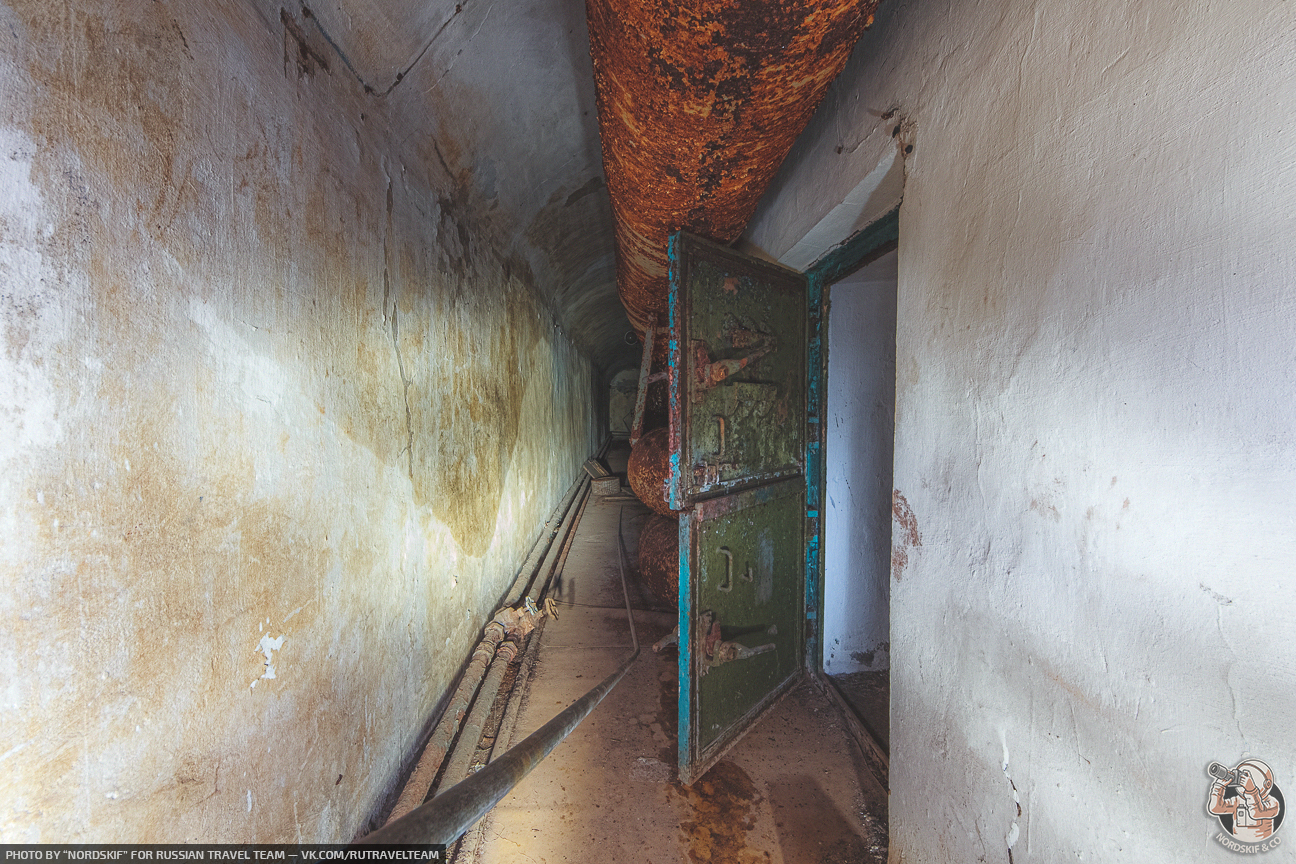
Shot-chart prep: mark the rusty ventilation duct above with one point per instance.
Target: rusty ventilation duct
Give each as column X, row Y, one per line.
column 699, row 102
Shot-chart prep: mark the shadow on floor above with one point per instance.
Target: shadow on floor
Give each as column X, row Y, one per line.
column 812, row 830
column 794, row 790
column 869, row 693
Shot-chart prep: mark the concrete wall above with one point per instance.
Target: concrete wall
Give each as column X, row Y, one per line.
column 1095, row 440
column 279, row 415
column 858, row 456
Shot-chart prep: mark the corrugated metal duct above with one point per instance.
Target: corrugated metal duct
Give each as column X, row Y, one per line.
column 699, row 103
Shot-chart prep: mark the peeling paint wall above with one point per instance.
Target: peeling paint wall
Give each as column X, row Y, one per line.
column 1095, row 446
column 858, row 457
column 279, row 416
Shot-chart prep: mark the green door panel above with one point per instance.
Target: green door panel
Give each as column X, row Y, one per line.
column 738, row 370
column 746, row 576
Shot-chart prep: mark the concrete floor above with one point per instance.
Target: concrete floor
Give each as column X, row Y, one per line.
column 794, row 790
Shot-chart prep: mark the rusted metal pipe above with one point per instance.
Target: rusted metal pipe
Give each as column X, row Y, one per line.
column 470, row 735
column 447, row 816
column 438, row 745
column 421, row 779
column 471, row 841
column 698, row 104
column 540, row 588
column 641, row 396
column 538, row 554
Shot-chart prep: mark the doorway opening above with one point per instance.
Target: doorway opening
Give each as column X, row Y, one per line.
column 859, row 437
column 621, row 402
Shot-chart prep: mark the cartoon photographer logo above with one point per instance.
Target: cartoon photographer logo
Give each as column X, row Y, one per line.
column 1248, row 804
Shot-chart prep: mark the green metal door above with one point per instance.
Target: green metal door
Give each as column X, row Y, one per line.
column 737, row 431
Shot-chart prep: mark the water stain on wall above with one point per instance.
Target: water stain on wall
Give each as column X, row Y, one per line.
column 154, row 587
column 467, row 434
column 218, row 436
column 111, row 64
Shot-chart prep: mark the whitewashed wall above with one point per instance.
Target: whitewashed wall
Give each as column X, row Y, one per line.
column 857, row 482
column 1095, row 562
column 278, row 417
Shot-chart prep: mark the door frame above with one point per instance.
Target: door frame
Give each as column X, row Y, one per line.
column 862, row 248
column 875, row 240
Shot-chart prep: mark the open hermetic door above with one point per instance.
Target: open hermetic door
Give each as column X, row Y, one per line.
column 738, row 435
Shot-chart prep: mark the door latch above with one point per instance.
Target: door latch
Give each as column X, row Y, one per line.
column 715, row 650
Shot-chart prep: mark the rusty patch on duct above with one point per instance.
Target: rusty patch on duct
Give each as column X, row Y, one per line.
column 649, row 470
column 698, row 106
column 659, row 558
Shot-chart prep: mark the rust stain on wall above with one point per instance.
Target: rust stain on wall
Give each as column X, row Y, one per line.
column 906, row 538
column 145, row 560
column 114, row 62
column 1046, row 508
column 472, row 415
column 698, row 105
column 265, row 390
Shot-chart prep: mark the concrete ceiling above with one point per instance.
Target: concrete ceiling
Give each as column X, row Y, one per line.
column 499, row 98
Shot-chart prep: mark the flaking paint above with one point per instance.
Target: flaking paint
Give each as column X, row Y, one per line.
column 698, row 105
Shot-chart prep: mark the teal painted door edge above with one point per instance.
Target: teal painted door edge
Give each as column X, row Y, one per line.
column 873, row 241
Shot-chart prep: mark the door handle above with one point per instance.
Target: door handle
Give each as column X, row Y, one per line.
column 727, row 585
